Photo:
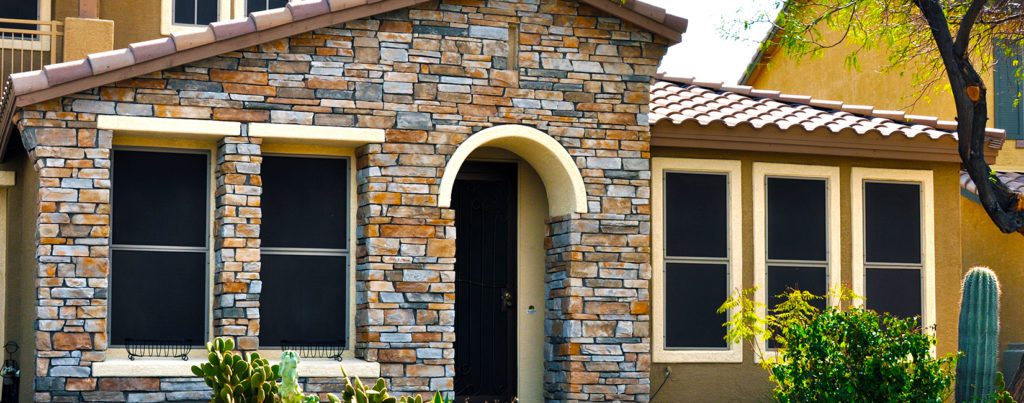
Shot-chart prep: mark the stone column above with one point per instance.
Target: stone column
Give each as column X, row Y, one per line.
column 598, row 313
column 237, row 283
column 405, row 266
column 72, row 256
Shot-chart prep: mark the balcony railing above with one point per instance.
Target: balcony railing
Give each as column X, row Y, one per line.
column 27, row 45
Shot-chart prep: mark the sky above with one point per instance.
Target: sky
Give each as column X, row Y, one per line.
column 704, row 53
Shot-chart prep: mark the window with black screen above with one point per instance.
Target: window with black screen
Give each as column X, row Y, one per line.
column 159, row 253
column 892, row 247
column 260, row 5
column 796, row 237
column 305, row 254
column 696, row 259
column 195, row 12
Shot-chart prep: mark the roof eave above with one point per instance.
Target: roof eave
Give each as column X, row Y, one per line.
column 671, row 28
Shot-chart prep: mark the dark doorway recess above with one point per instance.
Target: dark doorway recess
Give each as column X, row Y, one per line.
column 484, row 199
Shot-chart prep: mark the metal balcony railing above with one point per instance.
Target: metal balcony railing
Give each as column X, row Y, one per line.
column 27, row 45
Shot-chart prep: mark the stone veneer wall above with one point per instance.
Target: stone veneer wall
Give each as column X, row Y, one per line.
column 431, row 76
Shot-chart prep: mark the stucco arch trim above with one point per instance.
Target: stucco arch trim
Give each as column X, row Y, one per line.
column 558, row 171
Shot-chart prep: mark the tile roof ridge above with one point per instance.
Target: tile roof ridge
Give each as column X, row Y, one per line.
column 867, row 111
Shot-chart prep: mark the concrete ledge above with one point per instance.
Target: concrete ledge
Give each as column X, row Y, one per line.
column 6, row 178
column 309, row 368
column 309, row 134
column 168, row 127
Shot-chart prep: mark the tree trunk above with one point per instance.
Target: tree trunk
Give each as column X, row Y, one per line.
column 969, row 96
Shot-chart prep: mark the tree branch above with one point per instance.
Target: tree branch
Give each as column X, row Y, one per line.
column 969, row 96
column 963, row 35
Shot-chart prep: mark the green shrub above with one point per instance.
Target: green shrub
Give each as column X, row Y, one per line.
column 850, row 355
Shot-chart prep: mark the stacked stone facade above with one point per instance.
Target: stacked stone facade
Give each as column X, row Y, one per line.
column 236, row 277
column 72, row 250
column 431, row 76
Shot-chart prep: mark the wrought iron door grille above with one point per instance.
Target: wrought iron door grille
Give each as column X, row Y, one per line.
column 158, row 348
column 331, row 350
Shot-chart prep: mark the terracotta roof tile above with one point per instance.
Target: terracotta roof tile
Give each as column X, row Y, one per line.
column 274, row 17
column 111, row 60
column 302, row 9
column 63, row 72
column 193, row 38
column 28, row 81
column 344, row 4
column 230, row 29
column 681, row 100
column 149, row 50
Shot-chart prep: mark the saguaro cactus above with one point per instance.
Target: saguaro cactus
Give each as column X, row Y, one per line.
column 979, row 336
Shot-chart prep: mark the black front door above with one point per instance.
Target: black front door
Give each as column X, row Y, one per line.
column 484, row 199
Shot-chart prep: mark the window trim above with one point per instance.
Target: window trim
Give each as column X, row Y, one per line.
column 733, row 169
column 168, row 26
column 211, row 181
column 190, row 134
column 40, row 45
column 348, row 154
column 833, row 227
column 924, row 178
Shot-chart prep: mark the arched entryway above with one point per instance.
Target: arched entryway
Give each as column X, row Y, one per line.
column 503, row 183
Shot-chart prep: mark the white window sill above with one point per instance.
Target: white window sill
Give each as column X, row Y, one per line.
column 733, row 355
column 173, row 367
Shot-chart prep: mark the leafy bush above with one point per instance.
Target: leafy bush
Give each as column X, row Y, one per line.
column 850, row 355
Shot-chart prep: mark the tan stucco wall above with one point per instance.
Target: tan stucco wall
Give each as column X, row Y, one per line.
column 530, row 288
column 19, row 286
column 985, row 245
column 134, row 20
column 826, row 75
column 747, row 381
column 84, row 36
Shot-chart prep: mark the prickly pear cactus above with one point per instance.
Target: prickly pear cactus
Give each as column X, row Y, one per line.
column 978, row 336
column 355, row 391
column 234, row 378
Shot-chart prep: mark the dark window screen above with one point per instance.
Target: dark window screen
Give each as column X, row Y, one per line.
column 696, row 214
column 896, row 291
column 782, row 279
column 893, row 222
column 158, row 296
column 159, row 198
column 693, row 294
column 260, row 5
column 303, row 299
column 304, row 202
column 195, row 12
column 21, row 10
column 796, row 219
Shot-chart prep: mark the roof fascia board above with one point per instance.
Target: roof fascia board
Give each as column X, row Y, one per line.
column 820, row 142
column 614, row 8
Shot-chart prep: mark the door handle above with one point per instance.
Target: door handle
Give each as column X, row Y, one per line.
column 506, row 300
